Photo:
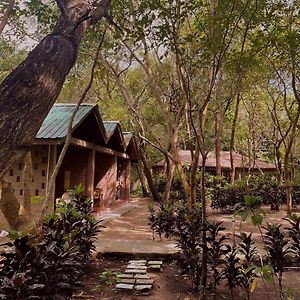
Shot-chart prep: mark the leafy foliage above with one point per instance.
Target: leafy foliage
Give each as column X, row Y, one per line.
column 50, row 266
column 225, row 197
column 294, row 233
column 216, row 249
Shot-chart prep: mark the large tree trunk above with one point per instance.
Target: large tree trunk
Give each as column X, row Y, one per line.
column 17, row 214
column 12, row 209
column 28, row 93
column 27, row 181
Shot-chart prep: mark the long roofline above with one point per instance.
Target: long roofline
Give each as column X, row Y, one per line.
column 94, row 108
column 225, row 162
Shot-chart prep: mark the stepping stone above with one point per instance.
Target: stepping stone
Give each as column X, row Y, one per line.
column 137, row 262
column 125, row 276
column 144, row 281
column 135, row 271
column 137, row 267
column 155, row 262
column 126, row 280
column 142, row 276
column 124, row 287
column 154, row 267
column 143, row 288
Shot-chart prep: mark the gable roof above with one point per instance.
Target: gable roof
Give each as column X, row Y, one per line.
column 131, row 146
column 110, row 127
column 55, row 127
column 56, row 124
column 239, row 161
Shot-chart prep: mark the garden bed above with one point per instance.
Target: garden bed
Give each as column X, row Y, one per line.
column 168, row 285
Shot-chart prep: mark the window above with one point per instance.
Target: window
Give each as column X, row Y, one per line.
column 18, row 178
column 36, row 153
column 36, row 192
column 36, row 166
column 32, row 179
column 21, row 192
column 43, row 185
column 20, row 166
column 44, row 160
column 43, row 173
column 11, row 172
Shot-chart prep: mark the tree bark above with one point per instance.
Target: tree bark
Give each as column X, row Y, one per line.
column 232, row 138
column 28, row 93
column 148, row 173
column 27, row 181
column 170, row 177
column 218, row 143
column 7, row 15
column 12, row 209
column 142, row 179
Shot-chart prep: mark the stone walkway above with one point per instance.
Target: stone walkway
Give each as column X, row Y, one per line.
column 127, row 233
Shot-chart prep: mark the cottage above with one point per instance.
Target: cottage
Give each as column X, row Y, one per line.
column 99, row 156
column 241, row 164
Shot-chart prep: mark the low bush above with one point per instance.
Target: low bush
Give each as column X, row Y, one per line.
column 50, row 265
column 235, row 265
column 225, row 197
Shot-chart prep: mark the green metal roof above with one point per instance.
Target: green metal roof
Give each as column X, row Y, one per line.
column 127, row 137
column 55, row 126
column 110, row 127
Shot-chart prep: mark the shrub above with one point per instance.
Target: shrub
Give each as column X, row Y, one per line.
column 49, row 266
column 225, row 197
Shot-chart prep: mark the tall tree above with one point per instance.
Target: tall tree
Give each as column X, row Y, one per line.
column 28, row 93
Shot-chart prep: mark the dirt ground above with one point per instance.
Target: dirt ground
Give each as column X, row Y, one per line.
column 170, row 285
column 134, row 224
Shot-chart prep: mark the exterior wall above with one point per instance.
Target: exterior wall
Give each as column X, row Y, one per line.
column 123, row 179
column 73, row 170
column 105, row 179
column 39, row 156
column 104, row 176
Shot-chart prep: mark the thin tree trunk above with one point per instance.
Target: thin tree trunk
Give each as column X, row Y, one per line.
column 194, row 169
column 204, row 224
column 7, row 15
column 218, row 143
column 142, row 179
column 148, row 173
column 232, row 138
column 170, row 176
column 28, row 93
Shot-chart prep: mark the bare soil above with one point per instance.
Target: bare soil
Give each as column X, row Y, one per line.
column 171, row 285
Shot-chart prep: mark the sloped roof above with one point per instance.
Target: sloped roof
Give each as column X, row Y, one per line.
column 127, row 137
column 56, row 124
column 110, row 127
column 130, row 145
column 239, row 161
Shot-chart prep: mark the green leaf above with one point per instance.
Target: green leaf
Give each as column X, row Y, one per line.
column 257, row 219
column 250, row 200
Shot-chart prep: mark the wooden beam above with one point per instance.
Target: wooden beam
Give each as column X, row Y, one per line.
column 48, row 141
column 97, row 148
column 91, row 174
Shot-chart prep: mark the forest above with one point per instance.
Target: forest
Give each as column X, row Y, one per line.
column 205, row 76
